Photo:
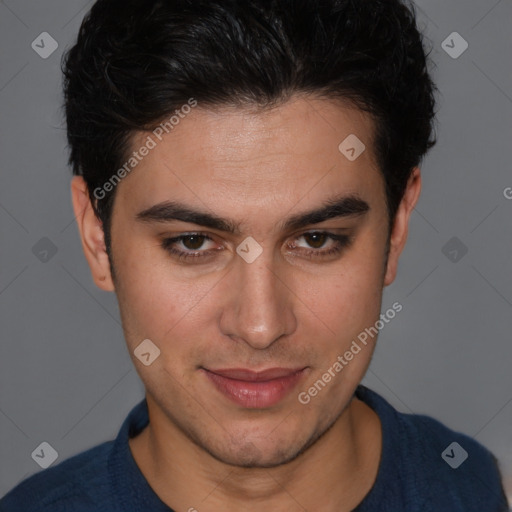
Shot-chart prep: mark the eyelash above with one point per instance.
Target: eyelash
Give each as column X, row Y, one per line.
column 342, row 242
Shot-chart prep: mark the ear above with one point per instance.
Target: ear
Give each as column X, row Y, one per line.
column 401, row 224
column 91, row 234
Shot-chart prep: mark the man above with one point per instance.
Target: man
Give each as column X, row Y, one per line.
column 245, row 174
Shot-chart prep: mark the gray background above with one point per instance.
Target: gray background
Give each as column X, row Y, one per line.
column 66, row 377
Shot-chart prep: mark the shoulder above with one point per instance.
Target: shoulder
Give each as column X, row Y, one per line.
column 77, row 484
column 460, row 470
column 439, row 469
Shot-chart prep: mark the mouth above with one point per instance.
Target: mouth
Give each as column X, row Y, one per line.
column 255, row 390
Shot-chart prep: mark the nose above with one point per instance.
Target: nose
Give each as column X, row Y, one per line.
column 259, row 309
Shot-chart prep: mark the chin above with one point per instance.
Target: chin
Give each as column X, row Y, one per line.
column 258, row 454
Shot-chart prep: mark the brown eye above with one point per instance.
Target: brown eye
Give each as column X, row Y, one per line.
column 315, row 240
column 191, row 247
column 193, row 242
column 320, row 244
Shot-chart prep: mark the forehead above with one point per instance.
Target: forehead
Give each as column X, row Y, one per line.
column 219, row 158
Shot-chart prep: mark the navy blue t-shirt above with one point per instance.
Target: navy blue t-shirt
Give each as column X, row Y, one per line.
column 423, row 468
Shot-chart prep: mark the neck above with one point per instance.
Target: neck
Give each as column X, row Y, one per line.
column 334, row 474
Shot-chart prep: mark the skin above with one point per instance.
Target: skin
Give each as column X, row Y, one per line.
column 286, row 309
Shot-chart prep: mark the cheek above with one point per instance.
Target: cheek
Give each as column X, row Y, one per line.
column 347, row 300
column 171, row 313
column 344, row 304
column 153, row 300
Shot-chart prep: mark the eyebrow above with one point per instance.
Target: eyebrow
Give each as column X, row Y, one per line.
column 336, row 207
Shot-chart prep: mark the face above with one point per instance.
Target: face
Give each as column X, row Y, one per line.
column 252, row 252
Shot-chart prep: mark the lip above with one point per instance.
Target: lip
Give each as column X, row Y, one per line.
column 255, row 389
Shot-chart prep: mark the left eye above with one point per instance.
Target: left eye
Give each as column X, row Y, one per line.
column 317, row 239
column 321, row 244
